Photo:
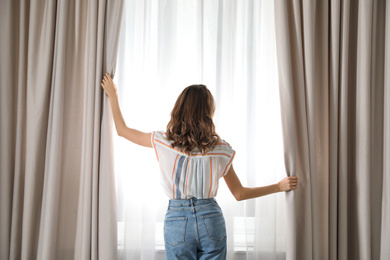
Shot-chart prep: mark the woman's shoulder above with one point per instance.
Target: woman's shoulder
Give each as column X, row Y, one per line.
column 223, row 142
column 160, row 139
column 222, row 147
column 160, row 136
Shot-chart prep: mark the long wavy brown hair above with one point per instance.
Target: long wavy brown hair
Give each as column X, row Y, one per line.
column 191, row 125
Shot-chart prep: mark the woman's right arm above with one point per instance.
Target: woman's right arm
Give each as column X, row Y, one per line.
column 130, row 134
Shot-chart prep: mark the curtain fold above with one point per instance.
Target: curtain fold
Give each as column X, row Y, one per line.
column 332, row 59
column 56, row 184
column 385, row 234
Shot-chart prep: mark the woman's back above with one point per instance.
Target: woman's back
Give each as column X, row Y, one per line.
column 193, row 175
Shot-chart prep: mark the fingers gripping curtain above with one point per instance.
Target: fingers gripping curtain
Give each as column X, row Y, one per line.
column 332, row 59
column 57, row 195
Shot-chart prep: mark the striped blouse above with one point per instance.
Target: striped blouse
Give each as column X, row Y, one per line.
column 186, row 176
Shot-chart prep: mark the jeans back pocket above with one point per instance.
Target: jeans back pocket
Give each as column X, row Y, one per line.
column 215, row 225
column 175, row 230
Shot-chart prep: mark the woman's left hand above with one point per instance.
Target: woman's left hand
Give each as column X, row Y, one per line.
column 109, row 86
column 288, row 183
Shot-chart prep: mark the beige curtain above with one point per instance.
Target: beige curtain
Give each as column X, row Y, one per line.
column 334, row 66
column 57, row 190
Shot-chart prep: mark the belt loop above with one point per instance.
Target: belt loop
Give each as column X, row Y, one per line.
column 193, row 204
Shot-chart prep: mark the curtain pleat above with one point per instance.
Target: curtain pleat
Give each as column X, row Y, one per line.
column 57, row 190
column 385, row 228
column 332, row 59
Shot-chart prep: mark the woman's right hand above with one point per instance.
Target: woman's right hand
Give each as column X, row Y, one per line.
column 109, row 86
column 288, row 183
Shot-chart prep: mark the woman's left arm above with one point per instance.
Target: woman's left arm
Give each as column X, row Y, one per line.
column 244, row 193
column 133, row 135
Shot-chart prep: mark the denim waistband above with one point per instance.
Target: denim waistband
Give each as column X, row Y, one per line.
column 190, row 202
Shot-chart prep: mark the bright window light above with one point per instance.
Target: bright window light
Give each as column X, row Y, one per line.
column 166, row 46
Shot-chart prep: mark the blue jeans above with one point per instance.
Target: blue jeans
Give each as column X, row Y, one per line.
column 194, row 229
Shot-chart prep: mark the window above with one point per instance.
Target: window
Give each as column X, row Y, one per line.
column 230, row 47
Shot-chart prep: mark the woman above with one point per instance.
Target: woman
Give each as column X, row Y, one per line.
column 192, row 159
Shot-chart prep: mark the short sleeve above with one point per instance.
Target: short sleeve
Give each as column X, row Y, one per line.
column 161, row 144
column 156, row 135
column 224, row 156
column 229, row 163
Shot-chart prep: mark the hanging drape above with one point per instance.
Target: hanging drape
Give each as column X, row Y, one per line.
column 334, row 63
column 57, row 190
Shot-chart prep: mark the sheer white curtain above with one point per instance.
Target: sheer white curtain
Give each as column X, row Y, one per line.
column 230, row 47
